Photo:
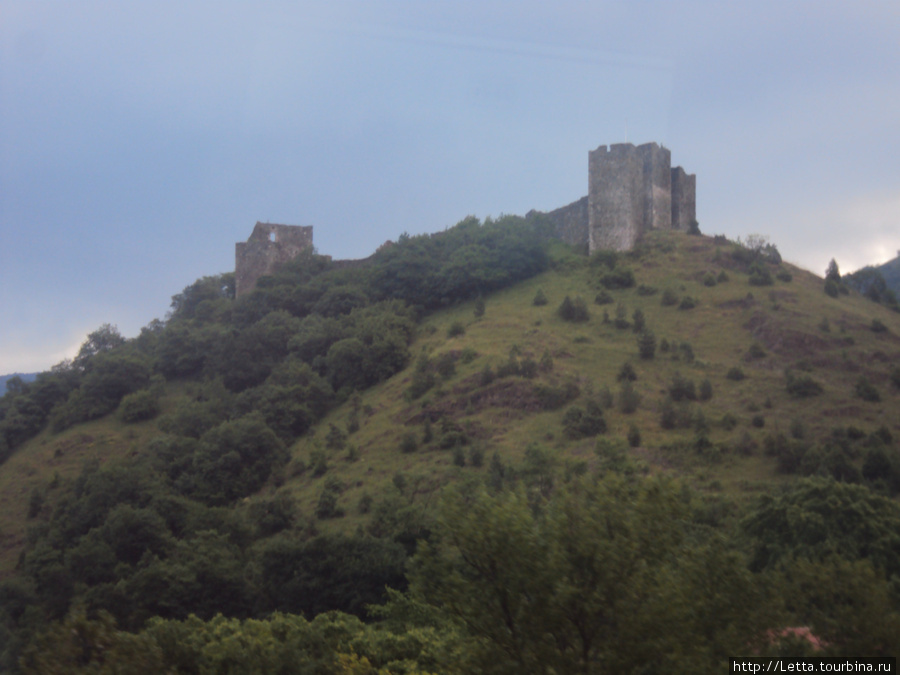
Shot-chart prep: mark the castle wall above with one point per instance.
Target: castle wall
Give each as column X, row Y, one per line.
column 632, row 190
column 616, row 198
column 658, row 187
column 269, row 246
column 684, row 199
column 570, row 222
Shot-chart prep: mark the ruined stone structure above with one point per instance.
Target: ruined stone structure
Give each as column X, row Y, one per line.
column 268, row 247
column 631, row 190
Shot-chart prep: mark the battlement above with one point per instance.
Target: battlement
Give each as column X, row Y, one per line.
column 269, row 246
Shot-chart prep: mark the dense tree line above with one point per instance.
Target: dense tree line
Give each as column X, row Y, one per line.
column 599, row 574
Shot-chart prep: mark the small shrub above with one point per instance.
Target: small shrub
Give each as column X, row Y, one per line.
column 478, row 311
column 459, row 456
column 798, row 429
column 895, row 376
column 867, row 391
column 832, row 288
column 621, row 321
column 629, row 398
column 618, row 279
column 709, row 279
column 824, row 326
column 758, row 421
column 878, row 327
column 476, row 456
column 729, row 421
column 364, row 505
column 634, row 436
column 664, row 346
column 687, row 302
column 785, row 276
column 760, row 275
column 335, row 438
column 487, row 376
column 802, row 386
column 637, row 321
column 552, row 398
column 646, row 345
column 756, row 351
column 603, row 298
column 723, row 277
column 682, row 389
column 584, row 422
column 735, row 374
column 408, row 443
column 456, row 329
column 468, row 355
column 626, row 373
column 528, row 368
column 138, row 407
column 445, row 364
column 669, row 298
column 327, row 506
column 539, row 299
column 645, row 290
column 686, row 352
column 573, row 310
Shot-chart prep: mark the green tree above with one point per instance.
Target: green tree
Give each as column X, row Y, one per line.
column 579, row 585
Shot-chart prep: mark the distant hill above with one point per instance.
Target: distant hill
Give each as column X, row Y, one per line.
column 880, row 283
column 891, row 273
column 25, row 377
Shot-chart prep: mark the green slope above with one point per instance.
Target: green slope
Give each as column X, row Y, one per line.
column 757, row 378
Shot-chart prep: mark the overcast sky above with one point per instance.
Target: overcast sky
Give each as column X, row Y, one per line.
column 140, row 140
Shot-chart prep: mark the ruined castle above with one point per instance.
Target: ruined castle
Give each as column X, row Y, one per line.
column 631, row 190
column 268, row 247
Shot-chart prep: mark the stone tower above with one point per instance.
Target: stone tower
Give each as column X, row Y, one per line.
column 268, row 247
column 632, row 190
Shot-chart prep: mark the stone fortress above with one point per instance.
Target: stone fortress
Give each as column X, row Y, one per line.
column 631, row 190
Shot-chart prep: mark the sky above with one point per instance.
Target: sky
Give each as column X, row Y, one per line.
column 140, row 141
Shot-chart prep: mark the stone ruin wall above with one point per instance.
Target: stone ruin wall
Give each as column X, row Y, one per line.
column 684, row 199
column 269, row 246
column 570, row 223
column 631, row 190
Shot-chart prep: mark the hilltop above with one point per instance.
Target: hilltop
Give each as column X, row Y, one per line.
column 324, row 415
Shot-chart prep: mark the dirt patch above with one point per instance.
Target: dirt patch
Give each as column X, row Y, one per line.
column 781, row 340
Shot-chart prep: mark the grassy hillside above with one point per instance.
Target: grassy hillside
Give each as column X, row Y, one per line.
column 264, row 433
column 763, row 331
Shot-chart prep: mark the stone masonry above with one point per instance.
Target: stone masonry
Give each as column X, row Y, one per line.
column 268, row 247
column 631, row 190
